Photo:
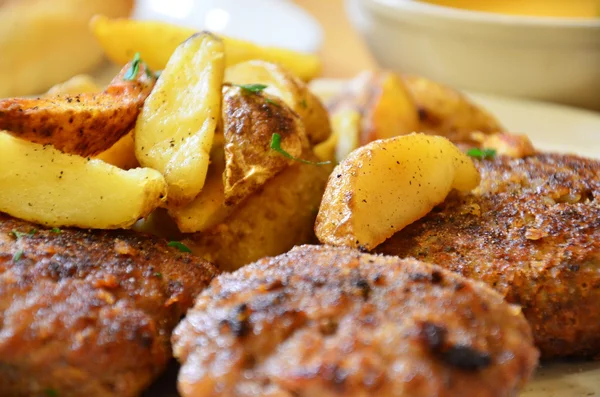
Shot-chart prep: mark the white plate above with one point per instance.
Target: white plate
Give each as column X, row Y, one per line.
column 551, row 127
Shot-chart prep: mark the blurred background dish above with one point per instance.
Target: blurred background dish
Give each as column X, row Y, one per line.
column 547, row 58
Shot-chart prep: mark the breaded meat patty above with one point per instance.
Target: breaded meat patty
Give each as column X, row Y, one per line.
column 88, row 313
column 531, row 231
column 323, row 321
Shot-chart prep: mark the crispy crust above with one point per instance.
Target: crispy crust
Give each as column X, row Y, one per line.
column 87, row 312
column 532, row 231
column 324, row 321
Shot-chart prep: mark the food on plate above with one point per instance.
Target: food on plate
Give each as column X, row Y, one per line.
column 121, row 154
column 175, row 129
column 294, row 92
column 84, row 124
column 269, row 222
column 447, row 112
column 43, row 185
column 532, row 231
column 249, row 121
column 505, row 144
column 388, row 184
column 385, row 105
column 45, row 42
column 156, row 41
column 80, row 84
column 89, row 313
column 324, row 321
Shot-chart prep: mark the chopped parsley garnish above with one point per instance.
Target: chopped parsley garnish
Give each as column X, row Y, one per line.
column 482, row 153
column 134, row 69
column 17, row 256
column 56, row 230
column 276, row 146
column 179, row 245
column 304, row 104
column 251, row 88
column 158, row 274
column 51, row 393
column 17, row 234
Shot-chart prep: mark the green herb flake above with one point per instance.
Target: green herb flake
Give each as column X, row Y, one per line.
column 17, row 256
column 251, row 88
column 56, row 230
column 482, row 153
column 272, row 102
column 304, row 104
column 158, row 275
column 157, row 73
column 179, row 245
column 51, row 393
column 134, row 69
column 17, row 234
column 32, row 232
column 276, row 146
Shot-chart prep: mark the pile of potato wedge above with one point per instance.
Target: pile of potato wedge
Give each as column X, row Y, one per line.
column 226, row 143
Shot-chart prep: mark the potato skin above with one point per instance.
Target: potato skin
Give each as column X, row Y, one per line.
column 84, row 124
column 270, row 221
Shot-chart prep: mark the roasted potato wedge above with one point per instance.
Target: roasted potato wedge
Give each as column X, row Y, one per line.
column 295, row 93
column 446, row 112
column 80, row 84
column 386, row 185
column 175, row 130
column 156, row 41
column 249, row 121
column 43, row 185
column 121, row 154
column 269, row 222
column 84, row 124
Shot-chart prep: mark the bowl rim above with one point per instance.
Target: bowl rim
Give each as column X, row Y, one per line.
column 461, row 14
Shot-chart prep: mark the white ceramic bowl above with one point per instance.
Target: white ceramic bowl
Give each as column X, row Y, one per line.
column 551, row 59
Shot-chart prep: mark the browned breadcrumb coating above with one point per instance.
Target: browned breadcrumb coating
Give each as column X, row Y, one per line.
column 324, row 321
column 88, row 313
column 532, row 231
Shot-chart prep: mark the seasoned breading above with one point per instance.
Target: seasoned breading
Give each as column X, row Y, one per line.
column 532, row 231
column 88, row 313
column 324, row 321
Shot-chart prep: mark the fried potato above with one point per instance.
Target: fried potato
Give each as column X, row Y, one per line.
column 43, row 185
column 156, row 41
column 80, row 84
column 249, row 122
column 269, row 222
column 295, row 93
column 121, row 154
column 175, row 130
column 84, row 124
column 446, row 112
column 386, row 185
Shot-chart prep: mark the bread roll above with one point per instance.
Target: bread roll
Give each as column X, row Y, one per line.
column 44, row 42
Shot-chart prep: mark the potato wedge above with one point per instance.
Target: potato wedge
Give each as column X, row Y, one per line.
column 43, row 185
column 269, row 222
column 249, row 122
column 156, row 41
column 385, row 104
column 121, row 154
column 295, row 93
column 84, row 124
column 175, row 130
column 446, row 112
column 208, row 209
column 388, row 184
column 80, row 84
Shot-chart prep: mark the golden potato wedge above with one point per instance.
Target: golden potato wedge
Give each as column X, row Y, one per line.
column 175, row 130
column 84, row 124
column 386, row 185
column 249, row 121
column 121, row 154
column 43, row 185
column 294, row 92
column 446, row 112
column 80, row 84
column 156, row 41
column 269, row 222
column 385, row 104
column 505, row 144
column 208, row 209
